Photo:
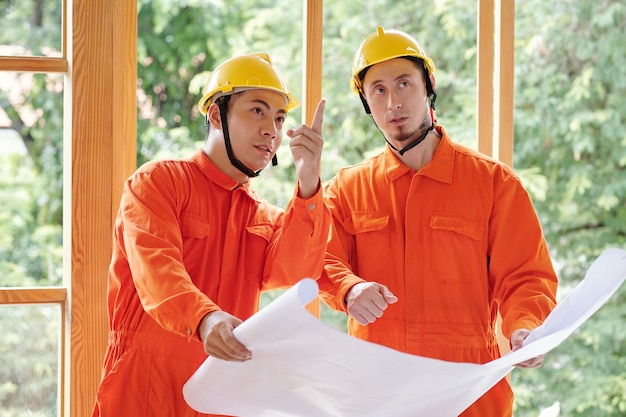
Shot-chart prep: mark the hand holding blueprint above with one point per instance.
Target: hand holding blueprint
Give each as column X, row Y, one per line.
column 303, row 367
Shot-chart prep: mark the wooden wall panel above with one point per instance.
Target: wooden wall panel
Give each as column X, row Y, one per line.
column 103, row 129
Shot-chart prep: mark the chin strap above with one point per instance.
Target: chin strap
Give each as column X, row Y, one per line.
column 415, row 142
column 222, row 105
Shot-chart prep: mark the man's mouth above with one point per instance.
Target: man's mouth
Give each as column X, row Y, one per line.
column 264, row 148
column 397, row 120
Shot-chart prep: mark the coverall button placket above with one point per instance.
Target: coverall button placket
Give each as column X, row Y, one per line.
column 414, row 248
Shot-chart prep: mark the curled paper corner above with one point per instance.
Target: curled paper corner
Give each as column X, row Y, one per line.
column 307, row 290
column 614, row 256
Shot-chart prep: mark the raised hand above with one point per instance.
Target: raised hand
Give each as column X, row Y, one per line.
column 306, row 148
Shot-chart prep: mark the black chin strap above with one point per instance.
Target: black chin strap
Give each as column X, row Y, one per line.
column 414, row 143
column 222, row 105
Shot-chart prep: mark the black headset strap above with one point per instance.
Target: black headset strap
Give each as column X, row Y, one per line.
column 416, row 141
column 222, row 103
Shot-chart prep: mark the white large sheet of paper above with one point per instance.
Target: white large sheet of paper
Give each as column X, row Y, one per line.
column 302, row 367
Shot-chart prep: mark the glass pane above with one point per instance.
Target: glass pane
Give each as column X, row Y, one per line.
column 31, row 28
column 31, row 191
column 29, row 364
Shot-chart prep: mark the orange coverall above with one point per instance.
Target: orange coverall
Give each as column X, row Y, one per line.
column 188, row 242
column 454, row 242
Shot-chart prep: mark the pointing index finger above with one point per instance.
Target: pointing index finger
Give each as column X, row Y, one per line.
column 318, row 117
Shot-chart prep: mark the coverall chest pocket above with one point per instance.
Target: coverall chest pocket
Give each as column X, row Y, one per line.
column 372, row 244
column 194, row 226
column 195, row 230
column 457, row 247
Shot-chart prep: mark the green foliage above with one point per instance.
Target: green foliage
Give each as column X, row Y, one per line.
column 569, row 127
column 30, row 245
column 178, row 43
column 29, row 349
column 571, row 122
column 33, row 26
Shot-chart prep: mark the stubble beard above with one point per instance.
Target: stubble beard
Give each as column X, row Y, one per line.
column 403, row 135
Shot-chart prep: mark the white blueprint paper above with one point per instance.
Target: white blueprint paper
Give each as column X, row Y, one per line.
column 303, row 367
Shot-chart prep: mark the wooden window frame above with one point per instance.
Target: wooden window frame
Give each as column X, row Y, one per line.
column 99, row 63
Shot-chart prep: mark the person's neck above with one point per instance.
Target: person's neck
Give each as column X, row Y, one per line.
column 422, row 154
column 218, row 156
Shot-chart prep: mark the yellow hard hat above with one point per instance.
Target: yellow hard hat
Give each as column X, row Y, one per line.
column 383, row 46
column 243, row 73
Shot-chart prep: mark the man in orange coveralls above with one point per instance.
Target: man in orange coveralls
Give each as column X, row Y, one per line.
column 194, row 245
column 434, row 235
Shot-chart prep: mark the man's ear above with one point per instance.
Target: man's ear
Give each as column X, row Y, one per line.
column 213, row 116
column 433, row 83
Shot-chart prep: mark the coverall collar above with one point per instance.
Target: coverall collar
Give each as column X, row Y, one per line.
column 440, row 168
column 211, row 171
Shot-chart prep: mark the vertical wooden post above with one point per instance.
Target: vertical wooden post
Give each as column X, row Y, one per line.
column 101, row 90
column 504, row 78
column 312, row 75
column 484, row 76
column 312, row 46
